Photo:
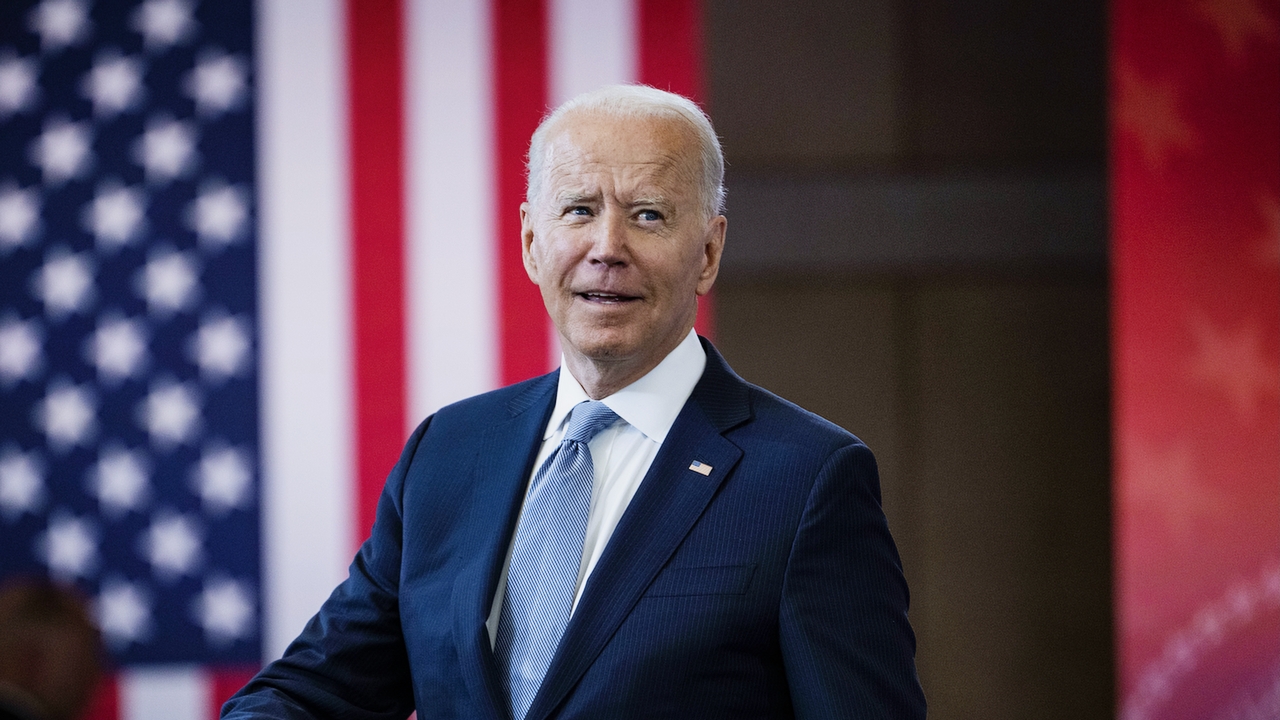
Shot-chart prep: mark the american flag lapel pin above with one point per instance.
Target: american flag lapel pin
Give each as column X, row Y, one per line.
column 700, row 467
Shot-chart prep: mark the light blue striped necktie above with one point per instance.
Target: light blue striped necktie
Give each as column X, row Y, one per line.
column 545, row 558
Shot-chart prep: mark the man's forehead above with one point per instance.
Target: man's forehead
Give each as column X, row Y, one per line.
column 631, row 149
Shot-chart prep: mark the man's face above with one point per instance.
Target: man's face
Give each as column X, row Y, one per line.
column 617, row 240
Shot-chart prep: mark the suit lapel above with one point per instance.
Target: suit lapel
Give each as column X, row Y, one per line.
column 505, row 453
column 669, row 501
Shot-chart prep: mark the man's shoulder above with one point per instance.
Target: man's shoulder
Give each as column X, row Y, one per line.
column 774, row 414
column 758, row 414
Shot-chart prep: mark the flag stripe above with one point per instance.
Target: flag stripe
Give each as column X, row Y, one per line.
column 452, row 281
column 305, row 295
column 224, row 683
column 670, row 45
column 164, row 692
column 105, row 703
column 520, row 99
column 376, row 116
column 582, row 61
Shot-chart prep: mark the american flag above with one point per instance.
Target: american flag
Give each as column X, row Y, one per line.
column 244, row 248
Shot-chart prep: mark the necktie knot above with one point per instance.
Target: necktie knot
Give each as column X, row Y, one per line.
column 588, row 419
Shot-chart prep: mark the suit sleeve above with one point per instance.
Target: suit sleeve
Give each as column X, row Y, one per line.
column 350, row 660
column 848, row 649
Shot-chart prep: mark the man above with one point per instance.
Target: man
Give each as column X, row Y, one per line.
column 642, row 534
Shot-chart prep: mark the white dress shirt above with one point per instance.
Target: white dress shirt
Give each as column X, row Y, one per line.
column 621, row 454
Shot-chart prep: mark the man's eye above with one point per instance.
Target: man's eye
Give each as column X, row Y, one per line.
column 649, row 215
column 580, row 210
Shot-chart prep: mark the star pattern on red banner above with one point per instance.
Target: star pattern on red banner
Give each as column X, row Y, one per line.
column 1196, row 263
column 1149, row 111
column 1238, row 22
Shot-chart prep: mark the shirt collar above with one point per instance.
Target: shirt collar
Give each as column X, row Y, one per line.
column 649, row 404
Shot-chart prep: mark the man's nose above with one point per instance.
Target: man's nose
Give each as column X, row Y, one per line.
column 609, row 241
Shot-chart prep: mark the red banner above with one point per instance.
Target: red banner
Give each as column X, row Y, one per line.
column 1196, row 296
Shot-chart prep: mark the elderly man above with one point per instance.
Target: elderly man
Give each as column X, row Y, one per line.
column 641, row 534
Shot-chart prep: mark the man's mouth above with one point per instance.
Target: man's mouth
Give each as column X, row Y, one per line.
column 606, row 298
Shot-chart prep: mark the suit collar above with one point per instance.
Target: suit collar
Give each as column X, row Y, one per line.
column 724, row 397
column 649, row 404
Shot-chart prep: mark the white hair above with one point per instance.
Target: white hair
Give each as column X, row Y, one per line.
column 639, row 101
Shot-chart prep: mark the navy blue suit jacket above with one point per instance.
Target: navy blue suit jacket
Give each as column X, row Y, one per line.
column 768, row 589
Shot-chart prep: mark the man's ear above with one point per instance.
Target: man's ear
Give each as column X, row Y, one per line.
column 526, row 242
column 712, row 249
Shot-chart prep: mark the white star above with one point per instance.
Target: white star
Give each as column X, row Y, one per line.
column 21, row 483
column 64, row 283
column 225, row 610
column 19, row 350
column 19, row 216
column 18, row 89
column 170, row 414
column 113, row 85
column 119, row 480
column 1235, row 363
column 123, row 610
column 164, row 22
column 67, row 415
column 59, row 23
column 1163, row 483
column 167, row 150
column 218, row 214
column 221, row 347
column 118, row 348
column 168, row 282
column 62, row 150
column 172, row 545
column 217, row 83
column 223, row 478
column 69, row 547
column 116, row 215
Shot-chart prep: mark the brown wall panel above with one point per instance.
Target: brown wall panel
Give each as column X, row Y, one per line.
column 1010, row 453
column 811, row 84
column 985, row 400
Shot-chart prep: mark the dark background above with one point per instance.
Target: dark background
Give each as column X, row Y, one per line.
column 917, row 251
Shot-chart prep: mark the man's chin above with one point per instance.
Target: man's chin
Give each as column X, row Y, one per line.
column 606, row 352
column 603, row 345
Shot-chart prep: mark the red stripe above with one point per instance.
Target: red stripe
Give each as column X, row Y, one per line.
column 375, row 49
column 670, row 47
column 225, row 682
column 105, row 703
column 520, row 99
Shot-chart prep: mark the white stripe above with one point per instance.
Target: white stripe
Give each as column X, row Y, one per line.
column 592, row 43
column 305, row 297
column 452, row 273
column 164, row 692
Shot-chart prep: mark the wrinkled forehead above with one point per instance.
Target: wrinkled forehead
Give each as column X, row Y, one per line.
column 632, row 151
